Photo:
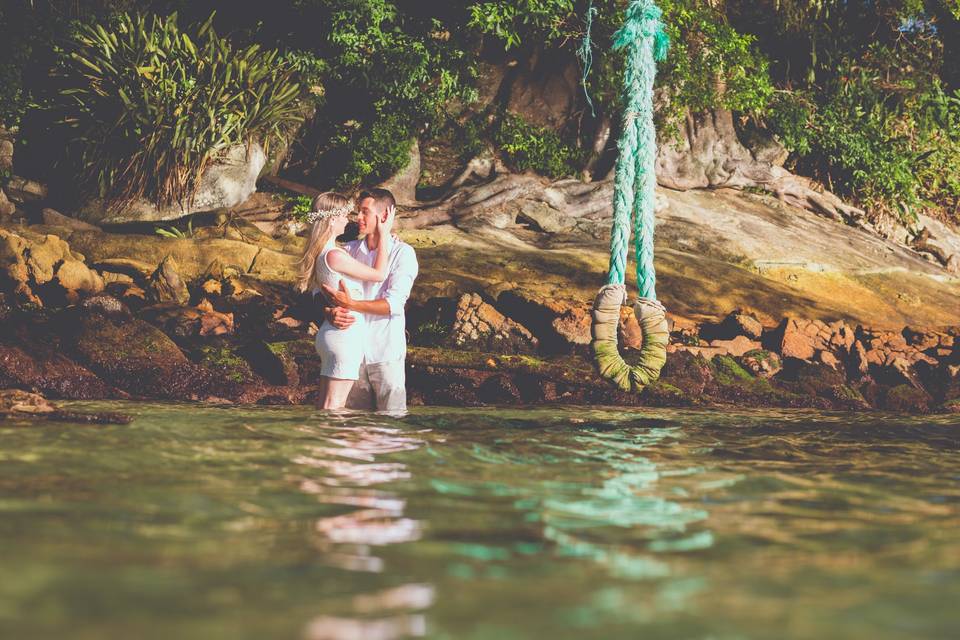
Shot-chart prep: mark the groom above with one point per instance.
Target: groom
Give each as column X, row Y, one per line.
column 382, row 383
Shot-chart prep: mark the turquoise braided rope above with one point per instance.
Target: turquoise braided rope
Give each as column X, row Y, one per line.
column 645, row 42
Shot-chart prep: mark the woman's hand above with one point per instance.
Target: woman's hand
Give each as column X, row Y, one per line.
column 385, row 226
column 341, row 298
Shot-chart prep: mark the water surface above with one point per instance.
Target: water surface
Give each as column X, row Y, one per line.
column 226, row 523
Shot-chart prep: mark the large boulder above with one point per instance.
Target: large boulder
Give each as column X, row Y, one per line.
column 37, row 367
column 41, row 267
column 195, row 257
column 141, row 360
column 227, row 182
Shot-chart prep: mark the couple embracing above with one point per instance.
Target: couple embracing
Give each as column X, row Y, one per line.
column 366, row 282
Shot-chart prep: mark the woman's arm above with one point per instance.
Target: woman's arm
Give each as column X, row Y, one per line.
column 340, row 261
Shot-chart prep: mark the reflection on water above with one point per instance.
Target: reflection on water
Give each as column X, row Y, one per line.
column 408, row 596
column 250, row 523
column 344, row 471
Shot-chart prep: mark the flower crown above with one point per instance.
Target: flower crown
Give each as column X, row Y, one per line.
column 323, row 214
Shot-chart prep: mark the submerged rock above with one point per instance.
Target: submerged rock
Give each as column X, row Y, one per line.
column 15, row 403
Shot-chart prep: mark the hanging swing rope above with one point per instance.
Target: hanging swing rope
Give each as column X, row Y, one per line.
column 585, row 53
column 644, row 42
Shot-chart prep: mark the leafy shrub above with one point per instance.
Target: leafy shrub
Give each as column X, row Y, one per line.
column 887, row 138
column 515, row 21
column 302, row 206
column 29, row 32
column 392, row 75
column 152, row 104
column 525, row 146
column 710, row 63
column 374, row 151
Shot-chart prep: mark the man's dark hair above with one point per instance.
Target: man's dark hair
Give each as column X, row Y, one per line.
column 382, row 197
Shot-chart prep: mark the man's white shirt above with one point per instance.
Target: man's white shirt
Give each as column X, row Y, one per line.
column 386, row 339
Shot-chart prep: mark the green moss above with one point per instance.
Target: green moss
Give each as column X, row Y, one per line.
column 727, row 371
column 690, row 340
column 567, row 368
column 431, row 333
column 907, row 399
column 278, row 349
column 848, row 393
column 760, row 355
column 659, row 392
column 225, row 360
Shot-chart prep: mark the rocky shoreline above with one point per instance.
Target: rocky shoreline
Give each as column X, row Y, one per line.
column 72, row 331
column 769, row 306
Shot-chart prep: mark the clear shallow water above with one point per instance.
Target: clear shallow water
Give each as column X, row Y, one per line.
column 199, row 522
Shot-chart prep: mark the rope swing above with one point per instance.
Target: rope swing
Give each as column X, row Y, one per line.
column 644, row 42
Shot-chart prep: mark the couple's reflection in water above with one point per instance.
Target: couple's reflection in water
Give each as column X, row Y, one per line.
column 354, row 465
column 346, row 470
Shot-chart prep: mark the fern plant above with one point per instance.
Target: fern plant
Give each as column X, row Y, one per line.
column 152, row 105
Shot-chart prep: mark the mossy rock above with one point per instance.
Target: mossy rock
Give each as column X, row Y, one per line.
column 905, row 398
column 664, row 394
column 846, row 393
column 727, row 371
column 225, row 360
column 41, row 367
column 138, row 358
column 760, row 362
column 689, row 372
column 103, row 342
column 291, row 362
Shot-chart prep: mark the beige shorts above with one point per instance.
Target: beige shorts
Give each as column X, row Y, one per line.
column 381, row 385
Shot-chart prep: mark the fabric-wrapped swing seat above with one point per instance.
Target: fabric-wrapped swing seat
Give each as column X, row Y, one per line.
column 652, row 318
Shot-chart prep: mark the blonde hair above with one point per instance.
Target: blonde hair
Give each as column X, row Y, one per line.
column 320, row 235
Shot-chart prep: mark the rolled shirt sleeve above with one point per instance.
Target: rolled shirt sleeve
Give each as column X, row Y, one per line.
column 400, row 281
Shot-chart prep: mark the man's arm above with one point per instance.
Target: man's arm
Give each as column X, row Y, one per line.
column 379, row 307
column 401, row 282
column 393, row 298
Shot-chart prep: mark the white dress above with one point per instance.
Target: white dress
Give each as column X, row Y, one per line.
column 341, row 350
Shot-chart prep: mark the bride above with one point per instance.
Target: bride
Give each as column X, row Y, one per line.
column 325, row 263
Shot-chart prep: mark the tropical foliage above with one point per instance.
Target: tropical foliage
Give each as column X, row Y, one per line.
column 862, row 92
column 152, row 104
